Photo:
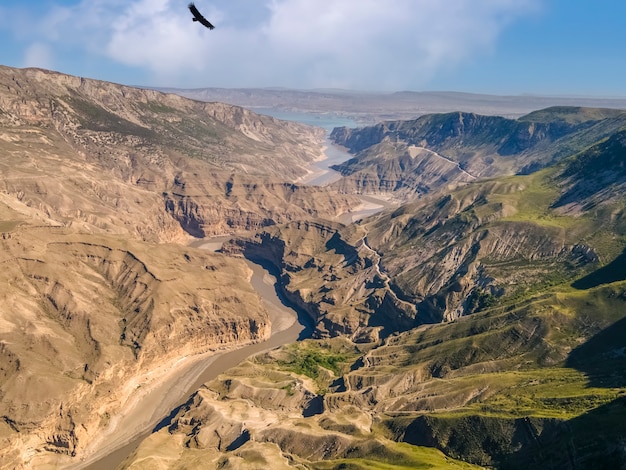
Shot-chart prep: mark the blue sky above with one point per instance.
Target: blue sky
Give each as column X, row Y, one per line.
column 550, row 47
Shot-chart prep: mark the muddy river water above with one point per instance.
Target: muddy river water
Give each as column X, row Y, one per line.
column 152, row 411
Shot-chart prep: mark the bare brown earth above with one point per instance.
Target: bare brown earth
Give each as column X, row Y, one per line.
column 157, row 396
column 101, row 188
column 105, row 157
column 90, row 320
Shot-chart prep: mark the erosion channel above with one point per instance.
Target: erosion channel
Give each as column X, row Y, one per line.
column 152, row 412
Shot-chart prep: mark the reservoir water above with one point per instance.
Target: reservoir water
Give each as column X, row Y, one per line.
column 322, row 173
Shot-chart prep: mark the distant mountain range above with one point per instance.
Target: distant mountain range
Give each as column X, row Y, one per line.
column 413, row 157
column 373, row 107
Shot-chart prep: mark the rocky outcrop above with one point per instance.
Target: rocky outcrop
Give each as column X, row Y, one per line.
column 426, row 262
column 262, row 407
column 235, row 203
column 460, row 255
column 333, row 276
column 405, row 171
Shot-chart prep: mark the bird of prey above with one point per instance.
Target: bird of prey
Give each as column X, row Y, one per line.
column 198, row 17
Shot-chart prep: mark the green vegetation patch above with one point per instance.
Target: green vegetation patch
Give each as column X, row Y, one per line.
column 546, row 375
column 312, row 358
column 96, row 118
column 557, row 392
column 383, row 454
column 533, row 202
column 415, row 458
column 158, row 108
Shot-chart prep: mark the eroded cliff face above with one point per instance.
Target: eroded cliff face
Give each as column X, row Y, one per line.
column 85, row 317
column 475, row 146
column 101, row 186
column 157, row 126
column 231, row 202
column 434, row 260
column 265, row 414
column 330, row 272
column 406, row 171
column 114, row 159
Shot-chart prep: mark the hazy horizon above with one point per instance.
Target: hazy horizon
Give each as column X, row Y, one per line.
column 496, row 47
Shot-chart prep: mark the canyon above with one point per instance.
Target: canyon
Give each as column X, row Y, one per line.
column 474, row 320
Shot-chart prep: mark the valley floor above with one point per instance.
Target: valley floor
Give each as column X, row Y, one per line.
column 162, row 392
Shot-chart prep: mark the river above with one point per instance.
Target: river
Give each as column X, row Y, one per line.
column 321, row 174
column 151, row 412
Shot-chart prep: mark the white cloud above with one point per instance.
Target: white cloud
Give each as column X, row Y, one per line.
column 367, row 44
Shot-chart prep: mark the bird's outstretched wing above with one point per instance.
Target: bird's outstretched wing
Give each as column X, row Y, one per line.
column 198, row 17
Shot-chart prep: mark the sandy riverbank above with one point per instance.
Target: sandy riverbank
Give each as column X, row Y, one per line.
column 161, row 390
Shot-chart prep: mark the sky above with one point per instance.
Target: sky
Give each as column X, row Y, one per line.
column 505, row 47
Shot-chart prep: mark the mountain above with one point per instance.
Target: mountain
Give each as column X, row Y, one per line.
column 369, row 107
column 418, row 156
column 484, row 326
column 445, row 256
column 539, row 385
column 102, row 187
column 156, row 151
column 480, row 323
column 532, row 375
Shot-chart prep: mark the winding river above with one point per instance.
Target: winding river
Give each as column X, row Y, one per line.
column 137, row 425
column 151, row 411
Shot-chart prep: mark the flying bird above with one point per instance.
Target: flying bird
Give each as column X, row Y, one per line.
column 198, row 17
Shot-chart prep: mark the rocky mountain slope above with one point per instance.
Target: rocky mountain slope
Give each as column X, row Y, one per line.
column 85, row 317
column 480, row 326
column 101, row 188
column 447, row 256
column 417, row 156
column 117, row 156
column 486, row 323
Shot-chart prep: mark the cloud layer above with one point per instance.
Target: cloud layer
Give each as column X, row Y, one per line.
column 360, row 44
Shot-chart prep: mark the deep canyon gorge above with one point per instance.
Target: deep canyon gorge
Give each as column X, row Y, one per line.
column 459, row 275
